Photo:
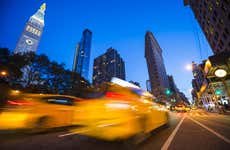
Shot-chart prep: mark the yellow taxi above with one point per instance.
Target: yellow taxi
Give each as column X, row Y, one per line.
column 37, row 111
column 182, row 108
column 119, row 113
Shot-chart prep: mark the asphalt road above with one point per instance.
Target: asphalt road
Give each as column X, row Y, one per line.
column 186, row 131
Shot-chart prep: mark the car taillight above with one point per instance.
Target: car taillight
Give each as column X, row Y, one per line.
column 115, row 95
column 19, row 103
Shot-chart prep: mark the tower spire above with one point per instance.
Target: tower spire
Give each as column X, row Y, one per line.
column 43, row 7
column 39, row 15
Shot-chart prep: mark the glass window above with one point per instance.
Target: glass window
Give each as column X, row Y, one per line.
column 27, row 28
column 60, row 100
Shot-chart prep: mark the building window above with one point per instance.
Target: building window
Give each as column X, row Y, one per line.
column 227, row 1
column 225, row 36
column 213, row 44
column 214, row 18
column 223, row 7
column 218, row 26
column 211, row 30
column 205, row 4
column 215, row 13
column 226, row 31
column 216, row 35
column 39, row 33
column 221, row 42
column 27, row 28
column 210, row 7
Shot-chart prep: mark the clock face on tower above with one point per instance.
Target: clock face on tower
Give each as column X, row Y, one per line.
column 29, row 42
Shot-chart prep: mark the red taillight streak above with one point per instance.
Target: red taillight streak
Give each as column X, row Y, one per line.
column 115, row 95
column 19, row 103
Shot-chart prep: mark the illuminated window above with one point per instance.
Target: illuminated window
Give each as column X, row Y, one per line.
column 27, row 28
column 39, row 33
column 206, row 30
column 33, row 31
column 211, row 30
column 36, row 32
column 210, row 7
column 112, row 61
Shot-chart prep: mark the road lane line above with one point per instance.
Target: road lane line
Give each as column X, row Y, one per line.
column 62, row 135
column 211, row 130
column 171, row 137
column 73, row 132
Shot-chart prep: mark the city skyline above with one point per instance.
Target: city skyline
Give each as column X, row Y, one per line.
column 128, row 37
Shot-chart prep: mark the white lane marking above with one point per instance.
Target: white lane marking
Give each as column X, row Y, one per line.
column 62, row 135
column 74, row 132
column 211, row 130
column 171, row 137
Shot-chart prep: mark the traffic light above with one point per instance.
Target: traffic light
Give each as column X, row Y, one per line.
column 168, row 92
column 218, row 92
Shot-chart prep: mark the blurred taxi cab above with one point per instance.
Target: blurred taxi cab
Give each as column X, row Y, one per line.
column 119, row 112
column 194, row 108
column 187, row 108
column 180, row 108
column 37, row 111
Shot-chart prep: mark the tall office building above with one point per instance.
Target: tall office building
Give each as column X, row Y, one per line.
column 31, row 35
column 156, row 68
column 172, row 84
column 82, row 54
column 214, row 19
column 107, row 66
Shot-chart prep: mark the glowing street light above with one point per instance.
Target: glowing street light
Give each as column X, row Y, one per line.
column 188, row 67
column 220, row 73
column 15, row 92
column 3, row 73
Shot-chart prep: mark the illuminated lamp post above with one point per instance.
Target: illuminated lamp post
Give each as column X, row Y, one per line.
column 3, row 73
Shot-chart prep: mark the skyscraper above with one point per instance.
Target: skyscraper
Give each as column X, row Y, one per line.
column 82, row 54
column 156, row 68
column 107, row 66
column 31, row 35
column 214, row 19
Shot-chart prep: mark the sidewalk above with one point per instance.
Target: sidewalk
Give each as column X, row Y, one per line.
column 227, row 112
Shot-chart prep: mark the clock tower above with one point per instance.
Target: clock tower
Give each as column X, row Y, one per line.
column 31, row 35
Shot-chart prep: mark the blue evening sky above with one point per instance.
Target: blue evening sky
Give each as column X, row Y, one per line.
column 120, row 24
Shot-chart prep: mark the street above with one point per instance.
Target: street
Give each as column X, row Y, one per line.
column 187, row 131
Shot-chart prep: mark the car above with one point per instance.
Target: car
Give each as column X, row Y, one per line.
column 180, row 108
column 187, row 108
column 119, row 112
column 194, row 108
column 38, row 112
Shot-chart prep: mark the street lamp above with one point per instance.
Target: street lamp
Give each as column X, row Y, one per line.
column 188, row 67
column 220, row 73
column 15, row 92
column 3, row 73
